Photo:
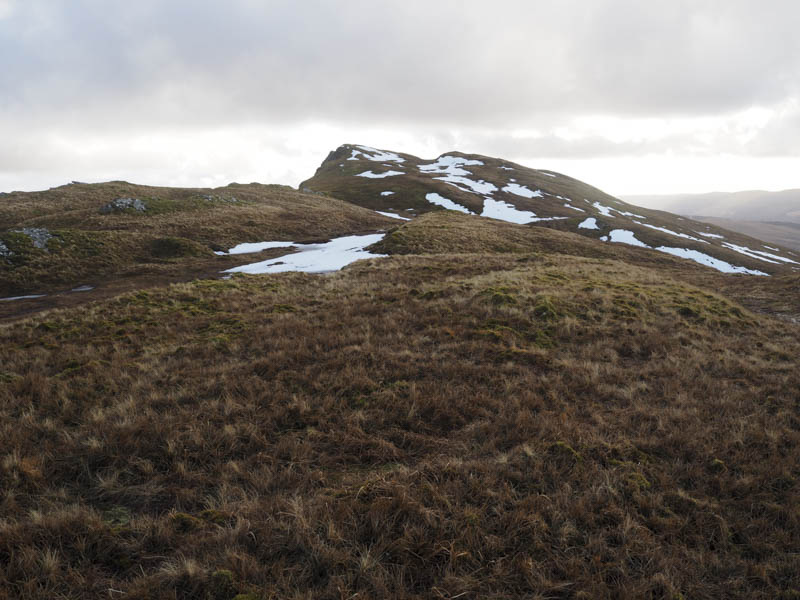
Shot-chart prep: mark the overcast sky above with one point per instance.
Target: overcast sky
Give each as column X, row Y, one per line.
column 632, row 96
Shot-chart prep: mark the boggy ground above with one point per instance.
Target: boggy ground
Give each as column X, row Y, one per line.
column 443, row 426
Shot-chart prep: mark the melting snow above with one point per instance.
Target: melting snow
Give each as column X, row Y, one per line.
column 83, row 288
column 497, row 209
column 604, row 210
column 476, row 187
column 11, row 298
column 376, row 155
column 435, row 198
column 709, row 261
column 249, row 247
column 627, row 237
column 506, row 168
column 757, row 254
column 317, row 258
column 590, row 223
column 771, row 248
column 371, row 175
column 623, row 236
column 627, row 214
column 394, row 216
column 450, row 165
column 521, row 190
column 386, row 193
column 568, row 205
column 711, row 235
column 669, row 231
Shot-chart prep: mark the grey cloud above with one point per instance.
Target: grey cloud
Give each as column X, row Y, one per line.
column 447, row 62
column 465, row 73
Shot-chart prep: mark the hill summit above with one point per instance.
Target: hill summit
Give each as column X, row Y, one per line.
column 405, row 186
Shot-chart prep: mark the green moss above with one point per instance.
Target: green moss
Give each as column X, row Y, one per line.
column 117, row 516
column 499, row 296
column 184, row 523
column 546, row 309
column 217, row 517
column 222, row 585
column 564, row 449
column 283, row 308
column 638, row 481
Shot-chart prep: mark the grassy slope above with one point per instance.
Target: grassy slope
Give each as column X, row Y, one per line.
column 474, row 422
column 180, row 227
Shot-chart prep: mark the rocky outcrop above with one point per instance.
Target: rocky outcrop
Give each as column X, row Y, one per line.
column 213, row 198
column 121, row 204
column 39, row 236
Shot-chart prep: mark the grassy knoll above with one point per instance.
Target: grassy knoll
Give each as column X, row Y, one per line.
column 178, row 227
column 465, row 423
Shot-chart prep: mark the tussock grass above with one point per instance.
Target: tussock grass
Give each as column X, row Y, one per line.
column 459, row 424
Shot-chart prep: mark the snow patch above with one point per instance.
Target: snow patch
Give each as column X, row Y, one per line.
column 506, row 168
column 710, row 235
column 568, row 205
column 623, row 236
column 627, row 237
column 497, row 209
column 371, row 175
column 317, row 258
column 628, row 214
column 12, row 298
column 386, row 193
column 468, row 185
column 709, row 261
column 604, row 210
column 548, row 174
column 590, row 223
column 435, row 198
column 759, row 255
column 521, row 190
column 376, row 155
column 450, row 165
column 250, row 247
column 669, row 231
column 82, row 288
column 394, row 216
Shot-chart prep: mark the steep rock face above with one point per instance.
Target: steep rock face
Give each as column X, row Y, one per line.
column 407, row 186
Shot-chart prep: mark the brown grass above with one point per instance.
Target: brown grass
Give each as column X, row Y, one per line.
column 180, row 228
column 445, row 426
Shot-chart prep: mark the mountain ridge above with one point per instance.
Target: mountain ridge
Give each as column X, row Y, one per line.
column 406, row 186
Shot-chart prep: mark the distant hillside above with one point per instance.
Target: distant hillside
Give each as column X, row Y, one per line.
column 785, row 234
column 753, row 205
column 406, row 186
